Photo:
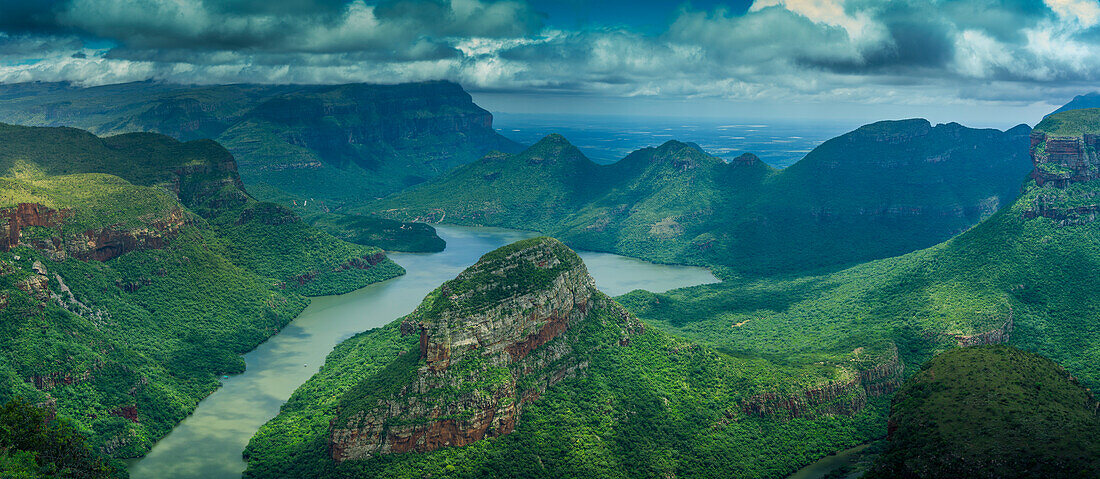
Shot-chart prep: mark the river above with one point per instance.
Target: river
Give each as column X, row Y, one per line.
column 208, row 444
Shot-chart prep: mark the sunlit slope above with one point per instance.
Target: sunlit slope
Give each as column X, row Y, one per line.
column 134, row 271
column 520, row 368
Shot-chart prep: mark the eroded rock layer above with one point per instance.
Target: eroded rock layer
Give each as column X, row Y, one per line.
column 846, row 396
column 490, row 341
column 1060, row 162
column 100, row 244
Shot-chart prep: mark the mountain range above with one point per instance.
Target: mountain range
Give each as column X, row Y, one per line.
column 314, row 148
column 884, row 189
column 517, row 367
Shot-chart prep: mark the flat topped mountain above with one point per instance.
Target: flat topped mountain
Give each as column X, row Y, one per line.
column 340, row 143
column 884, row 189
column 1063, row 150
column 481, row 355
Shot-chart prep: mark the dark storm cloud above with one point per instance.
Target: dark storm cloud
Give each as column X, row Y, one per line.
column 910, row 46
column 20, row 16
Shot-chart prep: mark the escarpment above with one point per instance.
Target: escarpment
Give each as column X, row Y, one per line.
column 99, row 244
column 1061, row 160
column 998, row 335
column 846, row 396
column 1064, row 155
column 490, row 341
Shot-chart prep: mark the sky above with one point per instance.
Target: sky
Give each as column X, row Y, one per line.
column 979, row 62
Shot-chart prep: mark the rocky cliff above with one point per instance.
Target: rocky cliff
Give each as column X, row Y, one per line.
column 1061, row 160
column 100, row 244
column 846, row 396
column 490, row 341
column 1063, row 152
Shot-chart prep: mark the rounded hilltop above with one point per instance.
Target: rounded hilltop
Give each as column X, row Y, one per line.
column 990, row 412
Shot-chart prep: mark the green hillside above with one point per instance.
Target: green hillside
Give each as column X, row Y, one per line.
column 134, row 271
column 781, row 371
column 1026, row 273
column 630, row 401
column 991, row 412
column 885, row 189
column 332, row 146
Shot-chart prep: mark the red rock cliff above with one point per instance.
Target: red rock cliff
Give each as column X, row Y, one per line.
column 489, row 342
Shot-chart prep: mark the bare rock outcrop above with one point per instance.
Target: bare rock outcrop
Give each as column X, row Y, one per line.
column 1059, row 162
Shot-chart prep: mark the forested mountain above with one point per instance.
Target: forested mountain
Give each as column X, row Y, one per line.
column 313, row 148
column 780, row 371
column 520, row 367
column 134, row 270
column 1023, row 276
column 885, row 189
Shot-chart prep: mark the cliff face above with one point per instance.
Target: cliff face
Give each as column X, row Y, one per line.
column 844, row 397
column 336, row 121
column 490, row 341
column 1063, row 152
column 1061, row 160
column 211, row 185
column 100, row 244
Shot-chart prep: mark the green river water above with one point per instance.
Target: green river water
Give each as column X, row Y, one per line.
column 208, row 444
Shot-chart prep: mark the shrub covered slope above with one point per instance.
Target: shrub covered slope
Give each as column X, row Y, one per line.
column 602, row 396
column 134, row 270
column 991, row 412
column 323, row 146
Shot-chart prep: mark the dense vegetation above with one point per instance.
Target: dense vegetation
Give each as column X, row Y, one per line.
column 384, row 233
column 885, row 189
column 268, row 239
column 1038, row 271
column 198, row 274
column 991, row 412
column 330, row 146
column 1017, row 276
column 34, row 444
column 653, row 406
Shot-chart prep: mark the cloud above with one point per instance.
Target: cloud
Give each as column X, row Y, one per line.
column 1084, row 12
column 783, row 50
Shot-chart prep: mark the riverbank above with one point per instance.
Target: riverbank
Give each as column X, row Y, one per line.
column 208, row 444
